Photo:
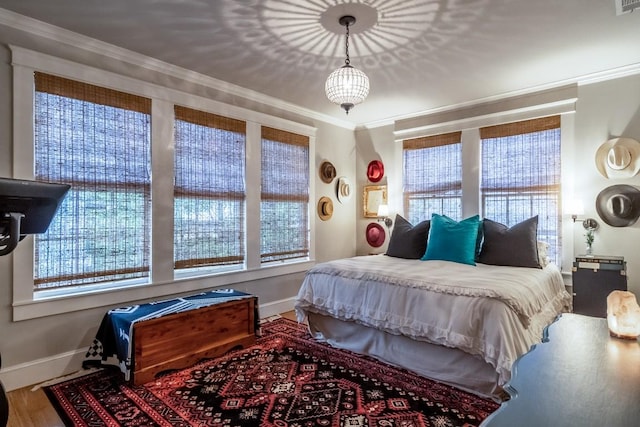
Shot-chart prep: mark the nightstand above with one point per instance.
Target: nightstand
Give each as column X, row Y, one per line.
column 594, row 278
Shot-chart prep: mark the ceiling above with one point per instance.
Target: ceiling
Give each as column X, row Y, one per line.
column 419, row 55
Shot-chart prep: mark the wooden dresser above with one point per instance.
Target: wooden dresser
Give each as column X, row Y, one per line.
column 579, row 376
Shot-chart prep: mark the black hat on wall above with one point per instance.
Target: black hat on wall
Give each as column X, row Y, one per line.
column 619, row 205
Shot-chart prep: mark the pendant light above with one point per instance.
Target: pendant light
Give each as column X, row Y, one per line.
column 347, row 86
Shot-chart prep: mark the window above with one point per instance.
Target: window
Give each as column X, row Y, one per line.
column 122, row 235
column 432, row 177
column 284, row 207
column 209, row 205
column 98, row 141
column 521, row 176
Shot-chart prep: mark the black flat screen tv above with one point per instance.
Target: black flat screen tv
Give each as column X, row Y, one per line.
column 32, row 203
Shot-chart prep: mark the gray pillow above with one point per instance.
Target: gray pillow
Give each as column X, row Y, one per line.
column 408, row 241
column 516, row 246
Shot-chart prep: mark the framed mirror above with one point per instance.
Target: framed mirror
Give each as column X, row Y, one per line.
column 374, row 196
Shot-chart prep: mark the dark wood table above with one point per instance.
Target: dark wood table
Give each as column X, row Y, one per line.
column 578, row 376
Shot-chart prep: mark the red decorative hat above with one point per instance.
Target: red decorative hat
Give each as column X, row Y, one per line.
column 375, row 235
column 375, row 171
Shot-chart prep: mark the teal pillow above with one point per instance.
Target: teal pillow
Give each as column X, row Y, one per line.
column 453, row 241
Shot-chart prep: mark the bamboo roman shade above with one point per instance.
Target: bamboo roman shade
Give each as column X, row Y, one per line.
column 521, row 175
column 284, row 207
column 432, row 176
column 520, row 128
column 524, row 160
column 98, row 141
column 209, row 210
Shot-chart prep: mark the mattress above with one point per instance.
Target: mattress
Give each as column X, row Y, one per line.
column 494, row 313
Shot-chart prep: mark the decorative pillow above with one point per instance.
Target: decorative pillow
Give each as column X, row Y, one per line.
column 452, row 241
column 516, row 246
column 408, row 241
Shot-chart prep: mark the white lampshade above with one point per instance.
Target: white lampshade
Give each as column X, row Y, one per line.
column 383, row 210
column 347, row 86
column 575, row 207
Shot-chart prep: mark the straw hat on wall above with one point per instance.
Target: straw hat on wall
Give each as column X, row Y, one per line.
column 325, row 208
column 327, row 172
column 618, row 158
column 344, row 189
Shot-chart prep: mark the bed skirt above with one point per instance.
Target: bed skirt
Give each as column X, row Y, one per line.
column 444, row 364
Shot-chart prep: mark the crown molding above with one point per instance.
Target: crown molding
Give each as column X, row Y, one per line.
column 60, row 35
column 587, row 79
column 615, row 73
column 541, row 103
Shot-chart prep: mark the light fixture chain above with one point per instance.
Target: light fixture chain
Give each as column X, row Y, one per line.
column 347, row 85
column 346, row 46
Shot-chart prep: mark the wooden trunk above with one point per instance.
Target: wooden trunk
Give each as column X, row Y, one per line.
column 179, row 340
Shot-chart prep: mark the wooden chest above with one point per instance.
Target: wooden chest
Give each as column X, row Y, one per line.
column 180, row 340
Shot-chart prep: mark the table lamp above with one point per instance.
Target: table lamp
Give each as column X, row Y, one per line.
column 623, row 315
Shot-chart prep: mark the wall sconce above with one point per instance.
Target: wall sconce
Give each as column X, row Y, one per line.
column 623, row 315
column 383, row 215
column 576, row 207
column 589, row 224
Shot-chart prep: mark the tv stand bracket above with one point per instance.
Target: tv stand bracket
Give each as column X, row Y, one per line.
column 10, row 231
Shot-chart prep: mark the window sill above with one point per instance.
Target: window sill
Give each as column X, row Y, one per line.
column 24, row 310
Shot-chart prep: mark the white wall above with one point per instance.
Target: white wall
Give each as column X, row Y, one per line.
column 337, row 234
column 374, row 144
column 606, row 110
column 603, row 110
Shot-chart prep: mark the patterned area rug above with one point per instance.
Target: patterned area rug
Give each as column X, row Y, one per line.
column 285, row 380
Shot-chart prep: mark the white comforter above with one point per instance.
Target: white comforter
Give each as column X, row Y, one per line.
column 494, row 312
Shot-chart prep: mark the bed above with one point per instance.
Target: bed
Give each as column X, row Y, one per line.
column 462, row 324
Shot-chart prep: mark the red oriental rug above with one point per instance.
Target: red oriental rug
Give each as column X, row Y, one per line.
column 286, row 379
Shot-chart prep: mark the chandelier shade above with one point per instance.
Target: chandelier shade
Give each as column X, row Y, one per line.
column 347, row 86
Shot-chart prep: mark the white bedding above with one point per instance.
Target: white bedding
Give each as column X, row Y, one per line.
column 493, row 312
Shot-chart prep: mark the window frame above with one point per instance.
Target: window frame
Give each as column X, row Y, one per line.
column 426, row 146
column 290, row 141
column 559, row 102
column 523, row 129
column 62, row 105
column 218, row 127
column 26, row 305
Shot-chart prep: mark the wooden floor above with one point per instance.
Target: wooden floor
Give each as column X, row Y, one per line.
column 29, row 408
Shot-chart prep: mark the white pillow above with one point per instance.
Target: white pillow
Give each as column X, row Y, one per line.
column 543, row 258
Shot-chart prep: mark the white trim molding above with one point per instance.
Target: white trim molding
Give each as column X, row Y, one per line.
column 497, row 111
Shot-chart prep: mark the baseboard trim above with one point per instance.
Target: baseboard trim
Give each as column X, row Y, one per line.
column 46, row 369
column 276, row 307
column 40, row 370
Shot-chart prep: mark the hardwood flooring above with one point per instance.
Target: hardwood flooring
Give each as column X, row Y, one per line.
column 31, row 408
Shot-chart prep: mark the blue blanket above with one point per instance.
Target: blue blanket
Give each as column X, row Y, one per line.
column 115, row 333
